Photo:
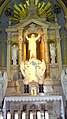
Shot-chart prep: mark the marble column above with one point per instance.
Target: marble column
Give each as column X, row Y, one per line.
column 20, row 46
column 42, row 48
column 46, row 56
column 40, row 51
column 8, row 54
column 59, row 58
column 24, row 51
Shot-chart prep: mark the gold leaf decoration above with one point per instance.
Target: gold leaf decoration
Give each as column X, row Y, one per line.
column 43, row 10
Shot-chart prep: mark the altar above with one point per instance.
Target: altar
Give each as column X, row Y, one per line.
column 32, row 104
column 33, row 67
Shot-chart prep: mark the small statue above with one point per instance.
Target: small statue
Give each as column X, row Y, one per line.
column 64, row 81
column 5, row 75
column 0, row 75
column 14, row 54
column 64, row 75
column 52, row 52
column 1, row 78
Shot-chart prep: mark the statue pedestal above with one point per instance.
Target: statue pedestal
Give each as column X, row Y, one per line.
column 48, row 81
column 12, row 88
column 48, row 86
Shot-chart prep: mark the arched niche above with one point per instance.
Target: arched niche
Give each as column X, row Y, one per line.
column 28, row 31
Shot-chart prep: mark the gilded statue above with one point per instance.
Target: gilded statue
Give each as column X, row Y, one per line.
column 32, row 44
column 33, row 70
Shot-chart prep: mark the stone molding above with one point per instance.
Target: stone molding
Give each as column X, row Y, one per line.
column 35, row 98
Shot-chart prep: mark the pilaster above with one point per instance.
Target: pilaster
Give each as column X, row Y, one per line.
column 46, row 56
column 42, row 48
column 8, row 54
column 20, row 45
column 59, row 58
column 24, row 51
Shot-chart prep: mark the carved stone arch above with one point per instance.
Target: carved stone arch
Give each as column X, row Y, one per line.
column 14, row 43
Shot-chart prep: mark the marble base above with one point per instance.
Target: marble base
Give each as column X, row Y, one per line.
column 12, row 88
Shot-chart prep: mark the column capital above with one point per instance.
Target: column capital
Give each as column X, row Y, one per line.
column 9, row 33
column 45, row 34
column 57, row 36
column 9, row 42
column 20, row 40
column 20, row 35
column 9, row 38
column 45, row 29
column 57, row 30
column 58, row 40
column 45, row 39
column 20, row 29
